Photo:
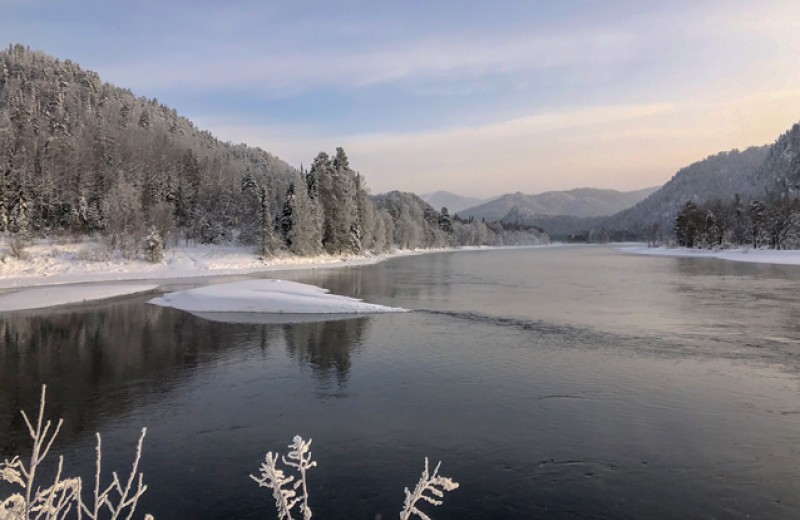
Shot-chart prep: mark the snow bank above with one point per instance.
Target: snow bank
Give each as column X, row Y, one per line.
column 89, row 261
column 49, row 263
column 759, row 256
column 267, row 297
column 41, row 297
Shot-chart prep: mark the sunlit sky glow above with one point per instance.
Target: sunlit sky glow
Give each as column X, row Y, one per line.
column 475, row 97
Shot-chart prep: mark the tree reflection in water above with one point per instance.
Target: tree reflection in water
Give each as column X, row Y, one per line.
column 102, row 360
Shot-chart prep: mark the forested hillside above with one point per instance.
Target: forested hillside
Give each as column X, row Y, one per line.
column 79, row 156
column 780, row 171
column 719, row 176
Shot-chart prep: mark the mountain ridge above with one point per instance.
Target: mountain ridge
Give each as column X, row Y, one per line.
column 577, row 202
column 452, row 201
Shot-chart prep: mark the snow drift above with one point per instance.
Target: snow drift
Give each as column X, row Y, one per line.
column 267, row 297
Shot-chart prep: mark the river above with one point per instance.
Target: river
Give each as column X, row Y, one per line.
column 570, row 382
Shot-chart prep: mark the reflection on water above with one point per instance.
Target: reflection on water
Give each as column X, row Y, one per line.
column 98, row 362
column 271, row 318
column 557, row 383
column 326, row 347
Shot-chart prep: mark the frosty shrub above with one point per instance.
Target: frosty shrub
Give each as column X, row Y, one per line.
column 153, row 246
column 285, row 488
column 63, row 498
column 289, row 491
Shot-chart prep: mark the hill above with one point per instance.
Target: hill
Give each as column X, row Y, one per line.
column 452, row 201
column 719, row 176
column 82, row 157
column 780, row 171
column 581, row 202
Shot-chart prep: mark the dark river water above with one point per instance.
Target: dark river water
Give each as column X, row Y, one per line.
column 571, row 382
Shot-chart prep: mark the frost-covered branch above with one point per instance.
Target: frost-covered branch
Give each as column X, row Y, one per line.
column 53, row 502
column 63, row 497
column 284, row 488
column 118, row 499
column 275, row 479
column 127, row 496
column 434, row 484
column 301, row 454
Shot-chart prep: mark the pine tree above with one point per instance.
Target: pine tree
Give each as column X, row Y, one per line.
column 20, row 217
column 144, row 119
column 153, row 246
column 4, row 217
column 445, row 223
column 266, row 222
column 337, row 194
column 688, row 225
column 757, row 216
column 288, row 216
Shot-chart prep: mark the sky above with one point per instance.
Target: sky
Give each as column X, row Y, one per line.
column 474, row 97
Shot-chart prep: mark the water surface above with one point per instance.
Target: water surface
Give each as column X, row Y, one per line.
column 554, row 383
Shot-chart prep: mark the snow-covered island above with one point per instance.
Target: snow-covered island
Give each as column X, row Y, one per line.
column 265, row 299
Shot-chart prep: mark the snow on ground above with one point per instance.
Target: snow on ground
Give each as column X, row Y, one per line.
column 50, row 263
column 40, row 297
column 760, row 256
column 267, row 297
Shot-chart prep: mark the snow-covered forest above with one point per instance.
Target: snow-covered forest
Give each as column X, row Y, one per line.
column 81, row 157
column 773, row 223
column 728, row 199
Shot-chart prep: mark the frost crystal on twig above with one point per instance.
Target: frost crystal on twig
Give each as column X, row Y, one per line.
column 127, row 496
column 434, row 484
column 301, row 455
column 64, row 495
column 285, row 488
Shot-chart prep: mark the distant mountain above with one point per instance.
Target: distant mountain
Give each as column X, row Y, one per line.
column 719, row 176
column 452, row 201
column 580, row 202
column 750, row 173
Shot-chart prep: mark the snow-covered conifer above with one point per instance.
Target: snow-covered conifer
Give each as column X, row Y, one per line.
column 266, row 223
column 288, row 214
column 153, row 246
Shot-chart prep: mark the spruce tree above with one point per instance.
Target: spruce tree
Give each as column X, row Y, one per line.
column 287, row 223
column 265, row 217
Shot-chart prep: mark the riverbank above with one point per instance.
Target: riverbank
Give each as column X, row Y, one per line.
column 757, row 256
column 60, row 274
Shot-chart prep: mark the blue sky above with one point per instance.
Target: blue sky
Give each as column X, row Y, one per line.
column 475, row 97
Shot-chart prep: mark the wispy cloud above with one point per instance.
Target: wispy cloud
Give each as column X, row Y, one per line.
column 470, row 95
column 302, row 69
column 621, row 146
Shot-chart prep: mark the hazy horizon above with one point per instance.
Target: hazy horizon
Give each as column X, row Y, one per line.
column 474, row 98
